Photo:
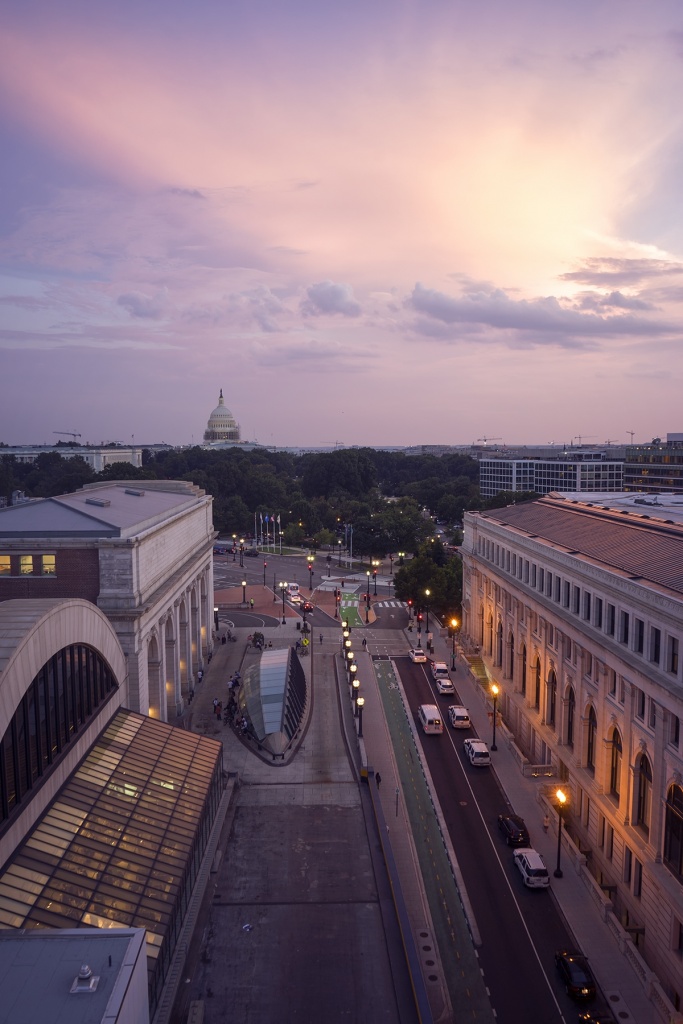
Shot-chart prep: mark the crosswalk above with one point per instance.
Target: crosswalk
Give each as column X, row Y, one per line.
column 390, row 604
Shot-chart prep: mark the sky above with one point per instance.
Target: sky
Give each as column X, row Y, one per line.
column 384, row 223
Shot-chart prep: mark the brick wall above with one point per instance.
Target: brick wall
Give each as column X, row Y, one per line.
column 77, row 575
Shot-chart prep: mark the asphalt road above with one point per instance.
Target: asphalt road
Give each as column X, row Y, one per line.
column 520, row 928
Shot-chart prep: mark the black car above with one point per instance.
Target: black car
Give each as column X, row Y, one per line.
column 597, row 1017
column 251, row 552
column 576, row 975
column 514, row 829
column 307, row 606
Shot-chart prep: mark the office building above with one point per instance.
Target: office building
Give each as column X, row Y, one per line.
column 576, row 602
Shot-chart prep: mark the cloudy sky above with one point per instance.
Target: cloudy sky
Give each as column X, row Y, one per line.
column 386, row 222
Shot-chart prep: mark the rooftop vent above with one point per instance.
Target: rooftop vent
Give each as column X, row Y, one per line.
column 85, row 980
column 136, row 494
column 100, row 502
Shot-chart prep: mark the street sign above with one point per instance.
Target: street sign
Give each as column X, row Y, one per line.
column 305, row 641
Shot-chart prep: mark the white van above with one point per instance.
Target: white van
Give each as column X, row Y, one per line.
column 430, row 718
column 293, row 594
column 459, row 716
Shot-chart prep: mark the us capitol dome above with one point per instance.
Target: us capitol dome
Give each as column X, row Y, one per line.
column 221, row 425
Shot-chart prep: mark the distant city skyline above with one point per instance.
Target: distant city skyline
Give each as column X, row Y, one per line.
column 423, row 223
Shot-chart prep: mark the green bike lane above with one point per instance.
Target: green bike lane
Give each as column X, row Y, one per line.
column 460, row 964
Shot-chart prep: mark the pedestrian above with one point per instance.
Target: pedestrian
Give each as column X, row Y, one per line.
column 200, row 675
column 251, row 603
column 365, row 643
column 215, row 702
column 546, row 823
column 378, row 779
column 321, row 638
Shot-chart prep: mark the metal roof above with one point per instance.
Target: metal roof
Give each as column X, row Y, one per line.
column 635, row 540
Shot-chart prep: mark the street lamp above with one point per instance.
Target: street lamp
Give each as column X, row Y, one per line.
column 234, row 546
column 339, row 546
column 495, row 691
column 427, row 596
column 391, row 565
column 374, row 573
column 310, row 576
column 353, row 669
column 356, row 687
column 561, row 801
column 454, row 626
column 401, row 556
column 367, row 573
column 274, row 587
column 244, row 591
column 242, row 554
column 360, row 704
column 283, row 591
column 215, row 616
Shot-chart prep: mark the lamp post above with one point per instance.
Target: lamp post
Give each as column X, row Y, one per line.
column 265, row 566
column 339, row 547
column 215, row 616
column 349, row 661
column 234, row 546
column 401, row 556
column 454, row 626
column 242, row 554
column 244, row 591
column 427, row 596
column 356, row 687
column 360, row 704
column 561, row 801
column 367, row 573
column 310, row 576
column 274, row 588
column 352, row 671
column 391, row 565
column 374, row 574
column 283, row 590
column 494, row 691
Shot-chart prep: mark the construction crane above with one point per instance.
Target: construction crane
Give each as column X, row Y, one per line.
column 580, row 437
column 631, row 432
column 67, row 433
column 485, row 439
column 611, row 440
column 336, row 444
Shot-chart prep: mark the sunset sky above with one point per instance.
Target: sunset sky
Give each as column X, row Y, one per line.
column 370, row 223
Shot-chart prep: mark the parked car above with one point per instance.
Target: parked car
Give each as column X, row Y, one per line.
column 514, row 829
column 459, row 717
column 477, row 752
column 445, row 686
column 532, row 868
column 417, row 654
column 576, row 974
column 251, row 553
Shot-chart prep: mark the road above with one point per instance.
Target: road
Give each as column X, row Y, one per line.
column 520, row 929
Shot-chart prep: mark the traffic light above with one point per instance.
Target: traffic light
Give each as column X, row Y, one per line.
column 419, row 616
column 410, row 602
column 265, row 565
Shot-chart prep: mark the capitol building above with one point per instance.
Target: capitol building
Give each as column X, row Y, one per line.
column 221, row 425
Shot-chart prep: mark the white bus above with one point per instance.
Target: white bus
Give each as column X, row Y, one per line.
column 293, row 594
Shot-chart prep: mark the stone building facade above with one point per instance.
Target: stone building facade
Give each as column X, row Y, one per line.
column 577, row 607
column 143, row 555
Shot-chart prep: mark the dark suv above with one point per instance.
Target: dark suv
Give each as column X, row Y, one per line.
column 514, row 830
column 576, row 975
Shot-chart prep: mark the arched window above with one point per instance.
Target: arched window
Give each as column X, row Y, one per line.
column 590, row 739
column 615, row 764
column 551, row 698
column 499, row 644
column 524, row 670
column 62, row 698
column 571, row 714
column 489, row 635
column 480, row 621
column 673, row 832
column 643, row 793
column 511, row 656
column 537, row 685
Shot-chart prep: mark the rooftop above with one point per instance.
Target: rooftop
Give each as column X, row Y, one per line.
column 639, row 536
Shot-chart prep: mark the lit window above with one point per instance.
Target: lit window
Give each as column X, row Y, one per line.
column 5, row 565
column 49, row 565
column 26, row 565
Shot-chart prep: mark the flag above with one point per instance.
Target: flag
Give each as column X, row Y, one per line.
column 261, row 517
column 278, row 519
column 267, row 520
